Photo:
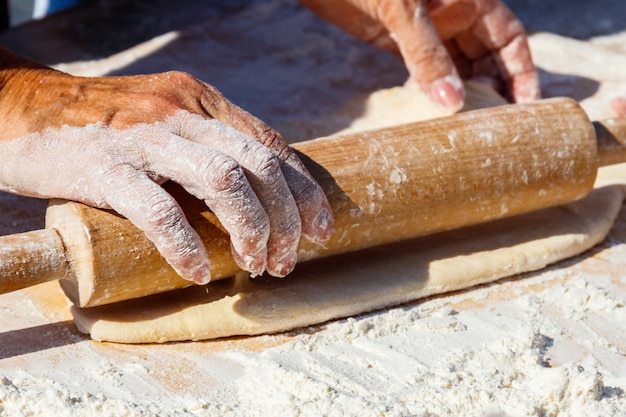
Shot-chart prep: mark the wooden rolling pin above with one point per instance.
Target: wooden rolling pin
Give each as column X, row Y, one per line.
column 384, row 185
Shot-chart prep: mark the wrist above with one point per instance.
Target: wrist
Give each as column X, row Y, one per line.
column 20, row 79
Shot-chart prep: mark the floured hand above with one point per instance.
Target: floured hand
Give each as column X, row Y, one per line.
column 110, row 141
column 442, row 41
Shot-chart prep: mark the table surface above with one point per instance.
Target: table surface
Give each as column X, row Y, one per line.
column 37, row 335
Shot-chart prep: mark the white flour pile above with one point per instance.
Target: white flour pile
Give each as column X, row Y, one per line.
column 549, row 344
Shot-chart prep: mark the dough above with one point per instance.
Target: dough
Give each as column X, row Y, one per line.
column 407, row 104
column 382, row 108
column 361, row 282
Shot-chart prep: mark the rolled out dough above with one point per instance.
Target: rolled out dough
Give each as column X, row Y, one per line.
column 365, row 281
column 382, row 108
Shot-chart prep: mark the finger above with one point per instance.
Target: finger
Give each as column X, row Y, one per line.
column 353, row 17
column 316, row 215
column 313, row 206
column 485, row 71
column 452, row 17
column 221, row 182
column 499, row 31
column 315, row 211
column 470, row 46
column 135, row 196
column 519, row 71
column 263, row 172
column 424, row 54
column 461, row 63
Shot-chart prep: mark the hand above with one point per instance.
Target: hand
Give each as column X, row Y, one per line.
column 442, row 41
column 110, row 141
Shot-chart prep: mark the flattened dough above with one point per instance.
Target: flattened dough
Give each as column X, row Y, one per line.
column 356, row 283
column 386, row 107
column 360, row 282
column 399, row 105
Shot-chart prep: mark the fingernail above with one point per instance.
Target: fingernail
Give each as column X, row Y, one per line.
column 324, row 225
column 202, row 274
column 285, row 265
column 448, row 92
column 255, row 264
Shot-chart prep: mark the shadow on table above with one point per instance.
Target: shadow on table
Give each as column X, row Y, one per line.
column 567, row 85
column 98, row 29
column 578, row 19
column 38, row 338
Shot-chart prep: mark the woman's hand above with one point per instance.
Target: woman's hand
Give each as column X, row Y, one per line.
column 110, row 141
column 444, row 41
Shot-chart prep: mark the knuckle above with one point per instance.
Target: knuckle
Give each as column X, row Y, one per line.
column 212, row 101
column 182, row 79
column 212, row 91
column 431, row 56
column 117, row 171
column 154, row 104
column 224, row 174
column 266, row 164
column 271, row 139
column 256, row 237
column 162, row 212
column 291, row 230
column 170, row 94
column 167, row 227
column 310, row 191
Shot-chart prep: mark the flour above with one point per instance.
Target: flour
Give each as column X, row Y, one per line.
column 430, row 359
column 27, row 396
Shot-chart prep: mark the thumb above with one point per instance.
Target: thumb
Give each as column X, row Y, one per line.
column 423, row 52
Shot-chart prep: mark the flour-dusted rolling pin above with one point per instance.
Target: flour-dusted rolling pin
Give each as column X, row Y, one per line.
column 383, row 185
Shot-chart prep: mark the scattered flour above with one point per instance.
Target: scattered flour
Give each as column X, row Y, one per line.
column 441, row 362
column 25, row 395
column 430, row 359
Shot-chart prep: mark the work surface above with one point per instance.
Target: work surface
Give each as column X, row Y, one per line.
column 539, row 344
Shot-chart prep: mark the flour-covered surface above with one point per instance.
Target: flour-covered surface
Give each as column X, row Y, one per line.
column 543, row 344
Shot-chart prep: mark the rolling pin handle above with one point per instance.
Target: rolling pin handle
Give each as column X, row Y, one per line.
column 611, row 139
column 31, row 258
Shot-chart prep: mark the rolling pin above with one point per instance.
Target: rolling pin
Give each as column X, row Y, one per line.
column 384, row 186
